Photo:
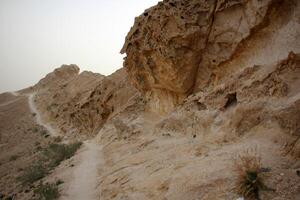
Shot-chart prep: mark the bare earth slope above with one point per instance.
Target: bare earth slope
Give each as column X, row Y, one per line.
column 20, row 142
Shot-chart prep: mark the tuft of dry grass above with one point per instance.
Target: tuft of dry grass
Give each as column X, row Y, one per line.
column 249, row 174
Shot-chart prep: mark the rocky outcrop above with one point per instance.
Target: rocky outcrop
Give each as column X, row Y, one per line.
column 81, row 103
column 164, row 46
column 58, row 77
column 180, row 47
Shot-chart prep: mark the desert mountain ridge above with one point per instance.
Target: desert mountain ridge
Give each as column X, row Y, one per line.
column 204, row 84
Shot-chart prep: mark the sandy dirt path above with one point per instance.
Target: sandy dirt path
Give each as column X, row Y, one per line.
column 9, row 102
column 38, row 117
column 84, row 181
column 84, row 178
column 12, row 101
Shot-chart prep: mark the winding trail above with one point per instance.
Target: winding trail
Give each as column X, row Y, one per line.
column 12, row 101
column 83, row 183
column 38, row 117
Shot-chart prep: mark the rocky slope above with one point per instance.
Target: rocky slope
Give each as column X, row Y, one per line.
column 204, row 81
column 21, row 141
column 80, row 103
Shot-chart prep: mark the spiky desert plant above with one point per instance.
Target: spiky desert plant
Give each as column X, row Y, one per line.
column 249, row 174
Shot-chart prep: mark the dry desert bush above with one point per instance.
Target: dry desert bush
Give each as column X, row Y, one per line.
column 250, row 174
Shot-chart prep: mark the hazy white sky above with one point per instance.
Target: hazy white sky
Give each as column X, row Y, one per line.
column 37, row 36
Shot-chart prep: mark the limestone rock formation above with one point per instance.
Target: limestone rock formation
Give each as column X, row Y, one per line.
column 64, row 73
column 164, row 46
column 181, row 46
column 82, row 102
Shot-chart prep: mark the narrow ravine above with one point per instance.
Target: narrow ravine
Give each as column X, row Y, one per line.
column 83, row 183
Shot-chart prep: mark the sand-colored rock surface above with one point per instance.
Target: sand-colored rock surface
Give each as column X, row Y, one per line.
column 189, row 154
column 179, row 47
column 81, row 104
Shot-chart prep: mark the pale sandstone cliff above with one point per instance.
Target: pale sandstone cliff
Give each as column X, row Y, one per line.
column 180, row 47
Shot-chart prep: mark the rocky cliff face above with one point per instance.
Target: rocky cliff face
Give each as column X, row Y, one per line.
column 181, row 47
column 80, row 103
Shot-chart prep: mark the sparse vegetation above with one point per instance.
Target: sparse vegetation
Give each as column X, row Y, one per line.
column 13, row 157
column 35, row 129
column 250, row 175
column 51, row 157
column 56, row 153
column 33, row 174
column 58, row 139
column 47, row 191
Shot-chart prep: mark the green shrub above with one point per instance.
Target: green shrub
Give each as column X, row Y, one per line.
column 33, row 174
column 47, row 191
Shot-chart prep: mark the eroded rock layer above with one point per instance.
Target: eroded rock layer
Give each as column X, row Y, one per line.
column 180, row 47
column 80, row 103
